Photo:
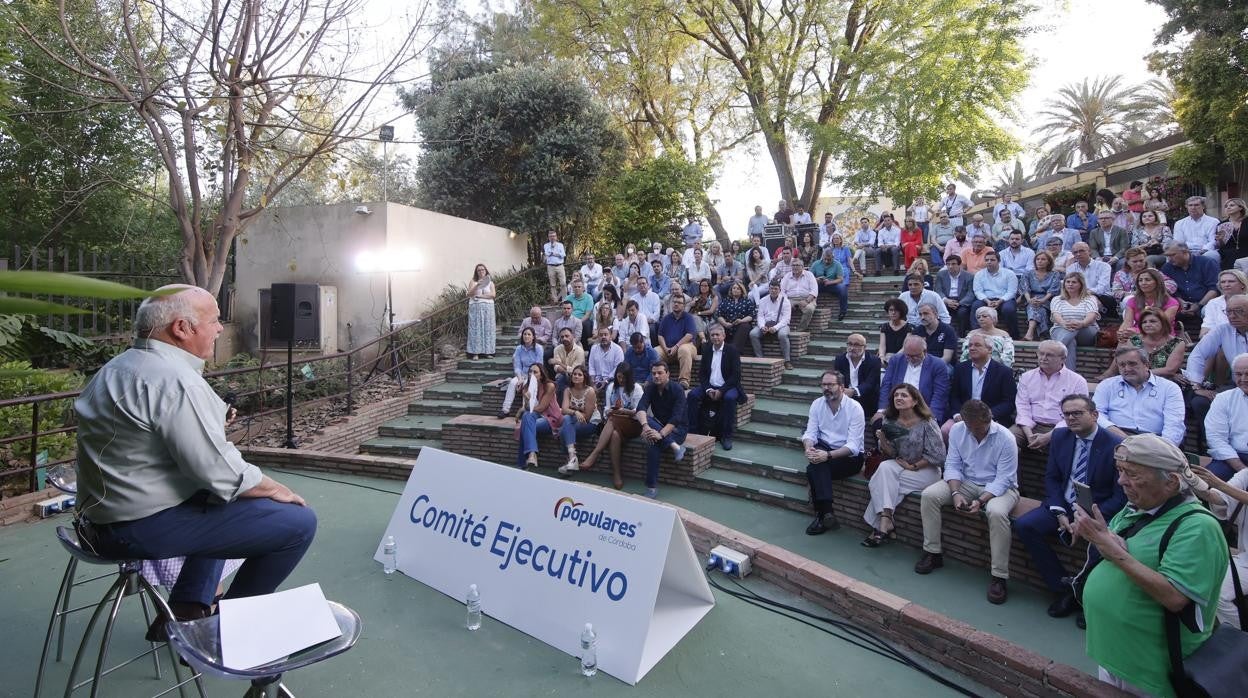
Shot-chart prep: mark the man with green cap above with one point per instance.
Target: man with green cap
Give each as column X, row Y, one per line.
column 1126, row 593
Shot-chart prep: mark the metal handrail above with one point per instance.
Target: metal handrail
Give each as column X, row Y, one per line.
column 358, row 359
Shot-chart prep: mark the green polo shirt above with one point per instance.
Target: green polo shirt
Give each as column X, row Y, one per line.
column 831, row 272
column 581, row 307
column 1126, row 632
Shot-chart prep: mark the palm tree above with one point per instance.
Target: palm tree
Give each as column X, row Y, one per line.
column 1089, row 120
column 1010, row 180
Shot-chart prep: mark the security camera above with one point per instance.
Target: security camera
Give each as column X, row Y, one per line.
column 362, row 210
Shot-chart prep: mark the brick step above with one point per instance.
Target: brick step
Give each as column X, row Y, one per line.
column 449, row 408
column 783, row 463
column 391, row 446
column 413, row 427
column 757, row 375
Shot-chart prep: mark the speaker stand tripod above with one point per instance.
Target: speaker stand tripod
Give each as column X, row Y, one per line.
column 290, row 401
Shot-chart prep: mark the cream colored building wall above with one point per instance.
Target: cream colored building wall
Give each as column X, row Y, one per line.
column 320, row 244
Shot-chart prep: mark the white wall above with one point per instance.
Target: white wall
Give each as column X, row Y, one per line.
column 319, row 244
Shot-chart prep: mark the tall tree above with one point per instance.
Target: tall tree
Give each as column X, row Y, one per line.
column 231, row 94
column 1205, row 53
column 1092, row 119
column 525, row 148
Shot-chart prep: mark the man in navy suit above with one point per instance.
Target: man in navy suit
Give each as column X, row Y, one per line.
column 981, row 378
column 922, row 370
column 862, row 372
column 1056, row 513
column 719, row 381
column 955, row 286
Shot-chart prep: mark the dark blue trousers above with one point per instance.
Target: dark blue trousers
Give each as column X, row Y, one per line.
column 271, row 536
column 1037, row 529
column 1222, row 469
column 654, row 451
column 841, row 291
column 1007, row 315
column 725, row 416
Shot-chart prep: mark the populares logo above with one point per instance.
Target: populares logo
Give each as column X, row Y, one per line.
column 568, row 509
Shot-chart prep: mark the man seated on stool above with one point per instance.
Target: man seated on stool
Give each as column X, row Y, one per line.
column 1037, row 404
column 719, row 382
column 663, row 414
column 981, row 378
column 1137, row 402
column 1078, row 452
column 922, row 370
column 1226, row 425
column 981, row 471
column 833, row 447
column 157, row 477
column 862, row 369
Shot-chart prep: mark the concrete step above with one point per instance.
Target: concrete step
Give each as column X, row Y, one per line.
column 448, row 408
column 753, row 487
column 390, row 446
column 773, row 462
column 801, row 393
column 767, row 434
column 413, row 427
column 467, row 392
column 783, row 412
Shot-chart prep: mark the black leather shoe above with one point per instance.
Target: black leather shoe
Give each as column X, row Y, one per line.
column 822, row 524
column 726, row 442
column 997, row 592
column 929, row 562
column 1063, row 605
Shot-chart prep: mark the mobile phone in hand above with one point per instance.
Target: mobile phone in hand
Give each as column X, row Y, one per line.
column 1083, row 497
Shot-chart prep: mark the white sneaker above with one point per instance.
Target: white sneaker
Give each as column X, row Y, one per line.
column 571, row 466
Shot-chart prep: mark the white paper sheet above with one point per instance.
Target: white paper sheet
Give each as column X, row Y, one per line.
column 260, row 629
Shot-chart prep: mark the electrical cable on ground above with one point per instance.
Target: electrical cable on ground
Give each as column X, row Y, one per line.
column 336, row 482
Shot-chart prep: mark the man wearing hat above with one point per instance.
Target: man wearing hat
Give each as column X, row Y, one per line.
column 1126, row 591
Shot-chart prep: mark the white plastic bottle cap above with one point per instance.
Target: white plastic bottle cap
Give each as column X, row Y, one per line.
column 472, row 587
column 589, row 627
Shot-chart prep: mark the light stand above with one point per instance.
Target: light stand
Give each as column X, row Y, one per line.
column 388, row 262
column 386, row 134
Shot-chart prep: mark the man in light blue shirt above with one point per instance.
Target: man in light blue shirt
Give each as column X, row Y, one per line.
column 1016, row 256
column 1224, row 425
column 157, row 478
column 1230, row 340
column 997, row 288
column 757, row 222
column 1137, row 402
column 981, row 469
column 915, row 295
column 649, row 303
column 888, row 242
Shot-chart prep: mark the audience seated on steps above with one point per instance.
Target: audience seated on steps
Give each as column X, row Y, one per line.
column 800, row 287
column 861, row 370
column 526, row 353
column 1137, row 402
column 580, row 415
column 832, row 444
column 640, row 357
column 981, row 378
column 1226, row 423
column 1109, row 242
column 920, row 369
column 915, row 295
column 737, row 311
column 663, row 415
column 863, row 240
column 974, row 257
column 582, row 309
column 591, row 274
column 538, row 414
column 1074, row 314
column 619, row 420
column 719, row 389
column 1231, row 283
column 832, row 280
column 1150, row 294
column 567, row 320
column 649, row 304
column 911, row 441
column 893, row 331
column 978, row 227
column 1037, row 403
column 1228, row 501
column 1195, row 278
column 774, row 310
column 942, row 231
column 999, row 340
column 604, row 356
column 1037, row 289
column 941, row 338
column 997, row 288
column 1080, row 451
column 1016, row 256
column 981, row 470
column 633, row 321
column 1165, row 352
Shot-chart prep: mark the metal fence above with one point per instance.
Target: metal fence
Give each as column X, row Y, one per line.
column 260, row 390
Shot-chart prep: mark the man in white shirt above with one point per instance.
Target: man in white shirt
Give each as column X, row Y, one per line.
column 915, row 295
column 554, row 255
column 1008, row 204
column 633, row 321
column 773, row 320
column 826, row 228
column 1097, row 276
column 888, row 242
column 864, row 240
column 1004, row 226
column 1224, row 425
column 687, row 256
column 981, row 470
column 832, row 444
column 591, row 274
column 1137, row 402
column 802, row 290
column 648, row 303
column 979, row 227
column 801, row 216
column 604, row 357
column 1016, row 256
column 954, row 204
column 756, row 223
column 783, row 266
column 1197, row 229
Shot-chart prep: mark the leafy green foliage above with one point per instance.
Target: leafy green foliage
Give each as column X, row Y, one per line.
column 17, row 379
column 21, row 338
column 522, row 147
column 646, row 200
column 1205, row 53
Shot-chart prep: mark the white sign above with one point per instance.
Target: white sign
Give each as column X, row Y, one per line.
column 549, row 556
column 260, row 629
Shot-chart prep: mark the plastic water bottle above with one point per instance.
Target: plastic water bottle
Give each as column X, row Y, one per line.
column 589, row 651
column 389, row 555
column 474, row 607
